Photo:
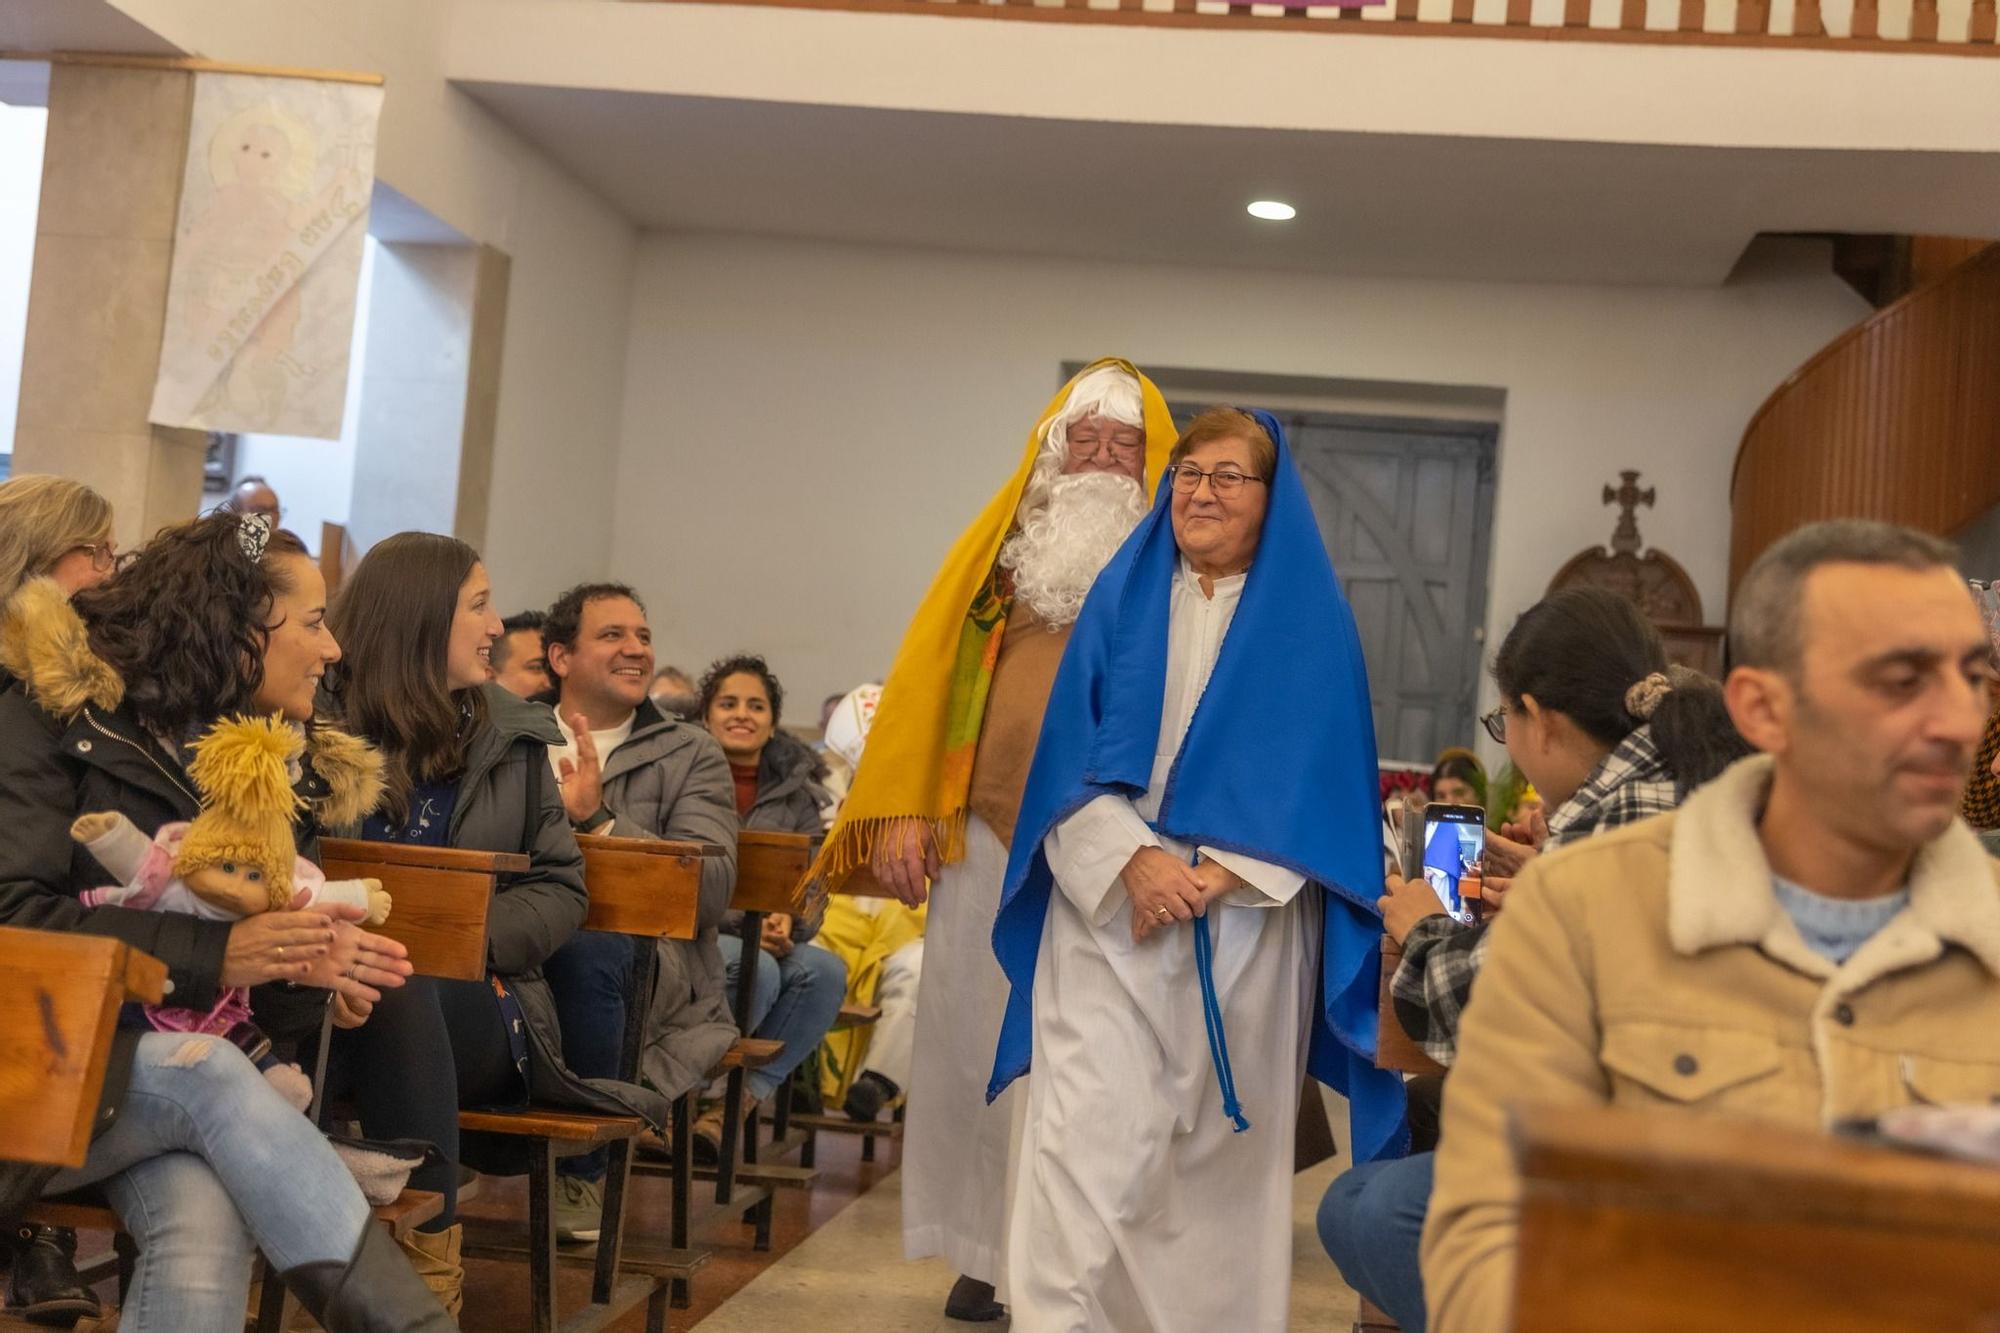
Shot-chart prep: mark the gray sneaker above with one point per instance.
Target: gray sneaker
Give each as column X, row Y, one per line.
column 579, row 1209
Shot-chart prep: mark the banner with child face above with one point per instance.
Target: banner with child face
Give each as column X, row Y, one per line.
column 267, row 255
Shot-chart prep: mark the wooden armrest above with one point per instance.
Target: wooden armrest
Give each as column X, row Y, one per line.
column 858, row 1016
column 642, row 887
column 861, row 883
column 60, row 992
column 1394, row 1048
column 440, row 897
column 769, row 869
column 427, row 858
column 748, row 1053
column 543, row 1123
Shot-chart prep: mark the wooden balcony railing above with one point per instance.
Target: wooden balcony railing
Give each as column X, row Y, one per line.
column 1897, row 419
column 1955, row 27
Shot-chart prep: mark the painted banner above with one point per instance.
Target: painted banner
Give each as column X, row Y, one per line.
column 267, row 255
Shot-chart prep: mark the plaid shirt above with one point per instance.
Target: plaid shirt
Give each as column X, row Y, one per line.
column 1441, row 957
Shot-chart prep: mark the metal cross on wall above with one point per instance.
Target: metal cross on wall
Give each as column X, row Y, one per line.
column 1628, row 497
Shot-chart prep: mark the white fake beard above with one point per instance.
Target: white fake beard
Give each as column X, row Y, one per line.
column 1059, row 551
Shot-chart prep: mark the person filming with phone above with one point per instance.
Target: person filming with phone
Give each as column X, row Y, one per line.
column 1610, row 734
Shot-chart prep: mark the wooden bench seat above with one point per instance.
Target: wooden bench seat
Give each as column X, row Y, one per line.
column 857, row 1016
column 747, row 1053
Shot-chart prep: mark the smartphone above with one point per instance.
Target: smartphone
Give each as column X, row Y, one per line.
column 1447, row 857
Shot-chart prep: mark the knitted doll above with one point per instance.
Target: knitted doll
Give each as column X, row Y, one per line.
column 235, row 859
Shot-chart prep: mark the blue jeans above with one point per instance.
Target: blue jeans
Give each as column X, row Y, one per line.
column 1372, row 1224
column 795, row 1001
column 205, row 1165
column 589, row 977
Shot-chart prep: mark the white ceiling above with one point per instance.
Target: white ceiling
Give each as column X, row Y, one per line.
column 76, row 25
column 1428, row 206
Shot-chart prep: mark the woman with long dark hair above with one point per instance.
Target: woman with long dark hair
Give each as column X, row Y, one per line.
column 466, row 766
column 1609, row 733
column 100, row 697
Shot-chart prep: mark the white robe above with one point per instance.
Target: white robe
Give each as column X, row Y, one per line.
column 956, row 1148
column 1137, row 1206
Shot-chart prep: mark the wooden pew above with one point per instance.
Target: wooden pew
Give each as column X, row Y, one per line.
column 1656, row 1222
column 769, row 867
column 647, row 890
column 439, row 895
column 59, row 998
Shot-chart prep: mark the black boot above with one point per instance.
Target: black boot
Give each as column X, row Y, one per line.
column 972, row 1302
column 376, row 1291
column 870, row 1093
column 43, row 1286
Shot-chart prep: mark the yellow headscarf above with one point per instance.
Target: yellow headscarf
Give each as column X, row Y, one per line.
column 918, row 763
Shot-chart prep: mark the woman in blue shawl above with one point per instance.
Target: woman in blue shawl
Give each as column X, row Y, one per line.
column 1190, row 924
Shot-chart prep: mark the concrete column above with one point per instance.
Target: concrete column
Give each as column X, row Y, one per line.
column 111, row 177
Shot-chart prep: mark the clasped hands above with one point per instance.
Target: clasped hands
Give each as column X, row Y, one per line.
column 1166, row 891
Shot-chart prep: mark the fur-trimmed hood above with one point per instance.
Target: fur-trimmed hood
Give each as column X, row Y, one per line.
column 45, row 646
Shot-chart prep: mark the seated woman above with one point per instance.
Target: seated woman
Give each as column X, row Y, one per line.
column 1595, row 718
column 467, row 766
column 201, row 1157
column 1183, row 872
column 799, row 986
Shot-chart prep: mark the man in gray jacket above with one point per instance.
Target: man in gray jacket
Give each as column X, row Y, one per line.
column 631, row 771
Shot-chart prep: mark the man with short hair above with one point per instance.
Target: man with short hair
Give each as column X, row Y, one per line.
column 1813, row 937
column 674, row 691
column 629, row 770
column 519, row 666
column 253, row 495
column 933, row 804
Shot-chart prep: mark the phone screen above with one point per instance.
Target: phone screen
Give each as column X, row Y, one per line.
column 1454, row 840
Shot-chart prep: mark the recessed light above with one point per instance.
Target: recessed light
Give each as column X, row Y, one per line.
column 1270, row 210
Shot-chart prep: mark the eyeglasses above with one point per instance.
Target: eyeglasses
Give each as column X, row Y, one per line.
column 1222, row 481
column 103, row 555
column 1495, row 723
column 1084, row 444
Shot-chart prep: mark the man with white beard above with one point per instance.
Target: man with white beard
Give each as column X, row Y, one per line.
column 933, row 805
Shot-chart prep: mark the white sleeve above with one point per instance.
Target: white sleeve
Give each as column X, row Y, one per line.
column 346, row 892
column 1087, row 850
column 1264, row 885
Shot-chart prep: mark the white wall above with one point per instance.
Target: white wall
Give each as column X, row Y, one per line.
column 21, row 134
column 572, row 257
column 807, row 426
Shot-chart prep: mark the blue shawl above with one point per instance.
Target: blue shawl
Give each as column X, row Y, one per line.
column 1297, row 789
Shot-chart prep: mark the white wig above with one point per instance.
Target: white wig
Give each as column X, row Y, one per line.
column 1108, row 391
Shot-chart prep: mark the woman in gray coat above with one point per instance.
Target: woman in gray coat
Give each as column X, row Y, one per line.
column 467, row 766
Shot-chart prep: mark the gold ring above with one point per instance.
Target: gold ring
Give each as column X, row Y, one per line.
column 281, row 953
column 1162, row 913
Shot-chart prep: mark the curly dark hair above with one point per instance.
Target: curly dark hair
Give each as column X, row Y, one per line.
column 748, row 664
column 184, row 622
column 564, row 620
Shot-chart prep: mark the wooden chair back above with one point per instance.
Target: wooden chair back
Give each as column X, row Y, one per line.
column 59, row 999
column 439, row 896
column 642, row 887
column 1656, row 1222
column 1394, row 1048
column 769, row 867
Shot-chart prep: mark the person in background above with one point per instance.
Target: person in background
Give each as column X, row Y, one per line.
column 626, row 768
column 519, row 665
column 842, row 734
column 866, row 1069
column 674, row 692
column 1592, row 713
column 1813, row 937
column 253, row 495
column 1458, row 778
column 799, row 986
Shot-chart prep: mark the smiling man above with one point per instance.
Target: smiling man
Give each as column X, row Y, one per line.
column 1813, row 937
column 630, row 770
